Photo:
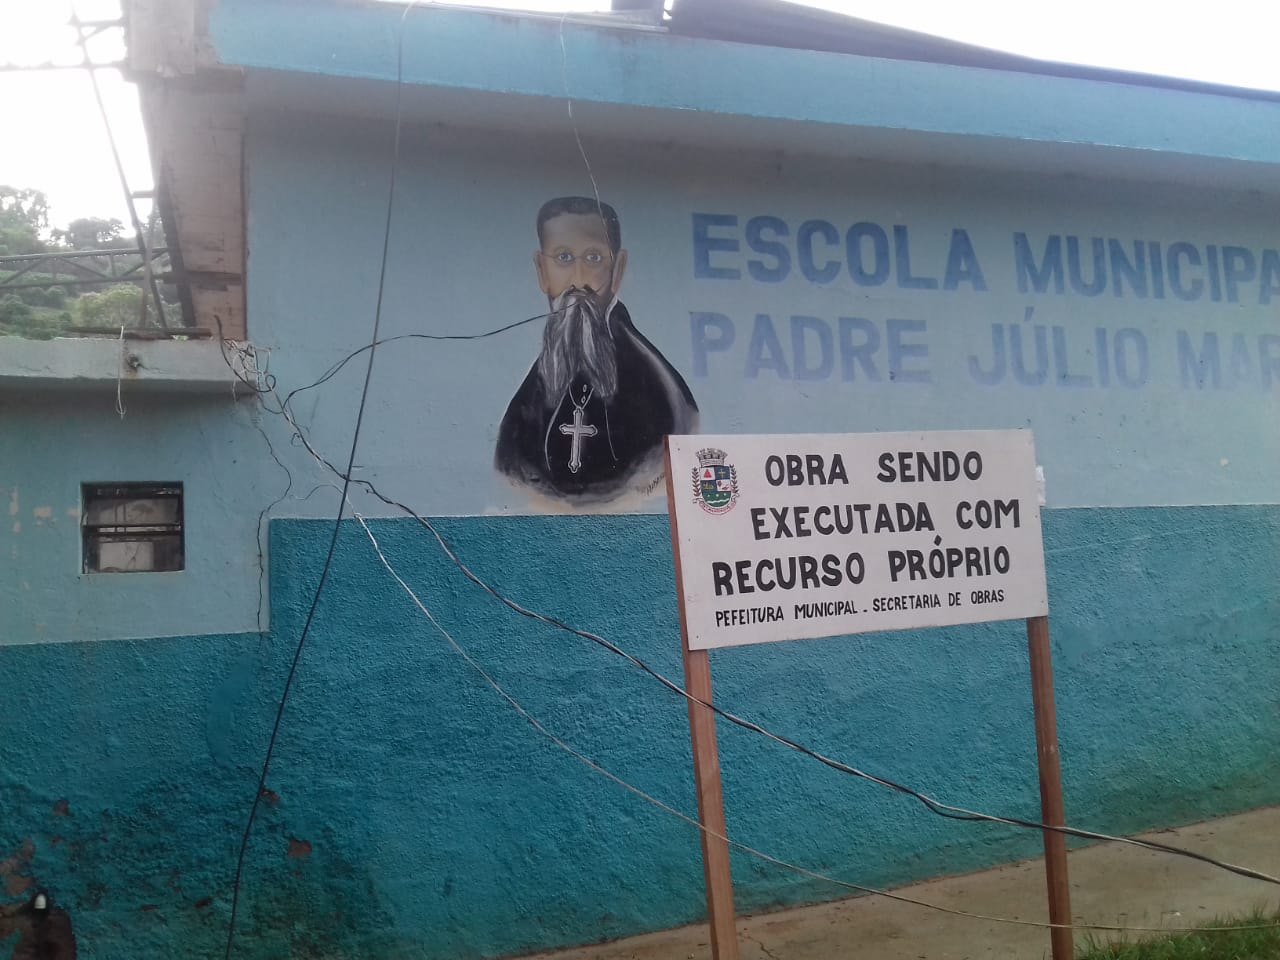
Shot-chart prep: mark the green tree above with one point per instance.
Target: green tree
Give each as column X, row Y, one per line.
column 24, row 216
column 48, row 312
column 94, row 233
column 117, row 306
column 13, row 311
column 19, row 319
column 48, row 297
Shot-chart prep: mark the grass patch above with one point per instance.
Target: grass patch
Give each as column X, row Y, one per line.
column 1239, row 943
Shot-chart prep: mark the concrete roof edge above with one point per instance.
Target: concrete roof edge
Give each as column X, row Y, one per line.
column 599, row 62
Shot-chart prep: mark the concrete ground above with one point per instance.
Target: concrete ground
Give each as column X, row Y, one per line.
column 1110, row 884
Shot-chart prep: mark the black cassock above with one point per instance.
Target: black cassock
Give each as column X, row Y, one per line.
column 585, row 449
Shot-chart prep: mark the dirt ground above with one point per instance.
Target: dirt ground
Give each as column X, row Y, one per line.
column 1110, row 884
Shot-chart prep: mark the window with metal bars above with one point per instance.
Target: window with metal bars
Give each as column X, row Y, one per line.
column 132, row 527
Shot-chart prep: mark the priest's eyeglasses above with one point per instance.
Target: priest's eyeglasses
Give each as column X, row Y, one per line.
column 566, row 257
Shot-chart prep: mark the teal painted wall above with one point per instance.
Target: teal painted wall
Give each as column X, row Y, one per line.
column 441, row 825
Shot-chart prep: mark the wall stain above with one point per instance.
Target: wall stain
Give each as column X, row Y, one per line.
column 14, row 869
column 43, row 929
column 137, row 885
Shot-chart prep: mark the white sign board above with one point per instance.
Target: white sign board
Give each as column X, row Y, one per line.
column 790, row 536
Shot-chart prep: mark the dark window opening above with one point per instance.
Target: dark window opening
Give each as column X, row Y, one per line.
column 132, row 527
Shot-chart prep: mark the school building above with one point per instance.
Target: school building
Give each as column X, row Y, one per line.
column 814, row 225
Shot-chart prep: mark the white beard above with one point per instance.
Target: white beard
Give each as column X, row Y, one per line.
column 576, row 341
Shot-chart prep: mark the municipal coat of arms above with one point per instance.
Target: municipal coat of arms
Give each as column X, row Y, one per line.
column 715, row 483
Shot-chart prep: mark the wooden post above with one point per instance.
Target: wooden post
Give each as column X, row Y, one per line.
column 1051, row 809
column 706, row 767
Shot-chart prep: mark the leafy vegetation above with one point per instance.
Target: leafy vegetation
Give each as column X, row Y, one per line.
column 45, row 307
column 1256, row 937
column 24, row 216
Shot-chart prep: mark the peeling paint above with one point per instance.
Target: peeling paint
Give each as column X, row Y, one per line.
column 42, row 514
column 13, row 503
column 17, row 527
column 299, row 848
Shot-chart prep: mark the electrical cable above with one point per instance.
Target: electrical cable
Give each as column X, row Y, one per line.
column 266, row 382
column 120, row 361
column 333, row 370
column 262, row 564
column 737, row 845
column 934, row 806
column 577, row 135
column 346, row 484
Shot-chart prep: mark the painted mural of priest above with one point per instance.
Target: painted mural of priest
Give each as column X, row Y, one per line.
column 587, row 423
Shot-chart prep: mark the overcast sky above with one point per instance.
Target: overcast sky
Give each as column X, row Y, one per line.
column 52, row 136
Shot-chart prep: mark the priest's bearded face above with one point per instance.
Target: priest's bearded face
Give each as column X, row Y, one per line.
column 580, row 274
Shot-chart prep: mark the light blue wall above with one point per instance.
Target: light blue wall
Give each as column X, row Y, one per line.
column 52, row 442
column 1158, row 431
column 460, row 261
